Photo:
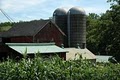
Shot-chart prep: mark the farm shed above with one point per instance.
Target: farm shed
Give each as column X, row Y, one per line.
column 74, row 53
column 45, row 49
column 38, row 31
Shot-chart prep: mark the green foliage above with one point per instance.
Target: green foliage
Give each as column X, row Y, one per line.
column 93, row 32
column 5, row 26
column 117, row 1
column 58, row 69
column 103, row 32
column 110, row 40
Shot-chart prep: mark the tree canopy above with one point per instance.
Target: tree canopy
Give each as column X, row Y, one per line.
column 103, row 32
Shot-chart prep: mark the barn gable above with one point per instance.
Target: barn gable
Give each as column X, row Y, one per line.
column 50, row 33
column 50, row 24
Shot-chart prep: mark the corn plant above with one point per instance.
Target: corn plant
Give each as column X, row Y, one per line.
column 55, row 68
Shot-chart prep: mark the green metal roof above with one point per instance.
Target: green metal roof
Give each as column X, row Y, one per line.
column 102, row 58
column 35, row 47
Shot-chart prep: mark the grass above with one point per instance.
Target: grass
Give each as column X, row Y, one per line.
column 6, row 28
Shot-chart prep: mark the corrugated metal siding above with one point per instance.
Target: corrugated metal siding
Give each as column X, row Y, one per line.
column 77, row 30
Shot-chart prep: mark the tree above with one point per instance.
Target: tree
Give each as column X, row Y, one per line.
column 116, row 1
column 103, row 32
column 114, row 29
column 92, row 32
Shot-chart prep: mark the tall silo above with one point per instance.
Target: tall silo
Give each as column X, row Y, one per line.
column 60, row 18
column 77, row 27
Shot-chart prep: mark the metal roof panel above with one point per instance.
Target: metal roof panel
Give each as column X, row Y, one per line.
column 34, row 48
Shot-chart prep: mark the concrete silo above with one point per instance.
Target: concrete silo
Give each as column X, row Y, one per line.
column 60, row 18
column 77, row 27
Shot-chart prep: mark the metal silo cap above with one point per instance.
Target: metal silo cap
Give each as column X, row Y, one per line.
column 77, row 10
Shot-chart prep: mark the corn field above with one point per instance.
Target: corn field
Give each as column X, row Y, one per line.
column 57, row 69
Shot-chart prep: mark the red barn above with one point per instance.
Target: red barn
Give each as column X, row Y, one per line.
column 38, row 31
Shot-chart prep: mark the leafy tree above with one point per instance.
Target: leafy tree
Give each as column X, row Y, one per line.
column 103, row 32
column 6, row 24
column 113, row 30
column 92, row 32
column 116, row 1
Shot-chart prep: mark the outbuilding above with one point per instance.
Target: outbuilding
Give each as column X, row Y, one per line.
column 44, row 49
column 76, row 53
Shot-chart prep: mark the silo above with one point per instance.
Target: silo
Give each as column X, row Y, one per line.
column 60, row 18
column 77, row 27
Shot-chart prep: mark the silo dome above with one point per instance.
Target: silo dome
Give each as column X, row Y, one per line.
column 60, row 11
column 77, row 10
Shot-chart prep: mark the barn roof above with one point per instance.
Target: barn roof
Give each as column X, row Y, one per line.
column 35, row 47
column 3, row 34
column 75, row 53
column 102, row 58
column 27, row 28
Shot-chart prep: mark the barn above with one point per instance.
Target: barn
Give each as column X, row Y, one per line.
column 31, row 34
column 37, row 31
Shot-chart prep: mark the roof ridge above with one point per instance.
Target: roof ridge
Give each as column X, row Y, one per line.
column 29, row 44
column 58, row 28
column 47, row 21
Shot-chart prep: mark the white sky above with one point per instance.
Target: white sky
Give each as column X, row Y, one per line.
column 26, row 10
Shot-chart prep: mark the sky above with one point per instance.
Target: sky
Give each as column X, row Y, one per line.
column 26, row 10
